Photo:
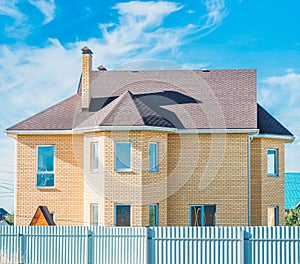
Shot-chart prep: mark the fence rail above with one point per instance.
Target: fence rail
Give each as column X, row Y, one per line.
column 149, row 245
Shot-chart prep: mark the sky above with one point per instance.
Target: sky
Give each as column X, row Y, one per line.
column 40, row 56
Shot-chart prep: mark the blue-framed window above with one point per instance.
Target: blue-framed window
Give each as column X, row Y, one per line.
column 203, row 215
column 153, row 215
column 272, row 162
column 123, row 156
column 153, row 157
column 45, row 166
column 95, row 157
column 272, row 215
column 122, row 215
column 94, row 214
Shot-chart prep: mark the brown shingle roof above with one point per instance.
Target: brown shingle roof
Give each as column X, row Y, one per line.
column 180, row 99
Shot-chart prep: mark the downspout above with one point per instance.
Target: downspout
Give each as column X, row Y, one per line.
column 250, row 137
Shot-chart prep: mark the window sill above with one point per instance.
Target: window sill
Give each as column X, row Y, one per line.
column 130, row 170
column 45, row 187
column 272, row 175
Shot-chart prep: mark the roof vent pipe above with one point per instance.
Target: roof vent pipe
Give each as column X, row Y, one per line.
column 101, row 68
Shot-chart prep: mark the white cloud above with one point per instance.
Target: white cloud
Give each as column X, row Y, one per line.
column 8, row 8
column 46, row 7
column 18, row 28
column 216, row 12
column 281, row 96
column 21, row 27
column 140, row 33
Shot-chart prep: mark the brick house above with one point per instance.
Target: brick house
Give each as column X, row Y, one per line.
column 160, row 147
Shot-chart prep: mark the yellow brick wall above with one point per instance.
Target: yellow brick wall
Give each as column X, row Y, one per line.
column 139, row 187
column 218, row 177
column 66, row 199
column 266, row 190
column 193, row 169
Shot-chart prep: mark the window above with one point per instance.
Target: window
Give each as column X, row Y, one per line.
column 153, row 215
column 153, row 157
column 272, row 215
column 94, row 156
column 45, row 167
column 123, row 156
column 94, row 214
column 272, row 162
column 122, row 215
column 202, row 215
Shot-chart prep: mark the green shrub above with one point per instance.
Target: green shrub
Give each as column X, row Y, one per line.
column 293, row 218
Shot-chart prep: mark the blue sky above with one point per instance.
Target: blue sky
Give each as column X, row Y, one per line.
column 40, row 53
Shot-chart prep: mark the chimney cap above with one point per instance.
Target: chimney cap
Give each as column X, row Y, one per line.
column 101, row 68
column 86, row 50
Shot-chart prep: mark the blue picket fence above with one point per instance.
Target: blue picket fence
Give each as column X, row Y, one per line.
column 149, row 245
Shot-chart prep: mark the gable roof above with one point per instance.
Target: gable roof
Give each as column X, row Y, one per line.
column 42, row 217
column 292, row 190
column 182, row 99
column 267, row 124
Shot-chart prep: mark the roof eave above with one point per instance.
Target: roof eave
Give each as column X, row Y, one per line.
column 14, row 133
column 286, row 138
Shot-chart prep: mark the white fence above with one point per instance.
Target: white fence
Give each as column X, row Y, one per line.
column 158, row 245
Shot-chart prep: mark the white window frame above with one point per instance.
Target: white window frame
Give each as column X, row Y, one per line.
column 275, row 161
column 156, row 157
column 115, row 157
column 92, row 206
column 37, row 167
column 94, row 158
column 115, row 214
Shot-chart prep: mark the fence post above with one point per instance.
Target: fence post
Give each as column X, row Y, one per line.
column 146, row 247
column 90, row 247
column 21, row 248
column 150, row 246
column 242, row 247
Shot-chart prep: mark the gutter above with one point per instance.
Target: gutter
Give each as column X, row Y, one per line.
column 273, row 136
column 12, row 133
column 250, row 137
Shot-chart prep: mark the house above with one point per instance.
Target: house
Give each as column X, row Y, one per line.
column 3, row 223
column 3, row 214
column 292, row 190
column 159, row 147
column 42, row 217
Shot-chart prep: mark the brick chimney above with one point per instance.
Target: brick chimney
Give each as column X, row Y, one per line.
column 86, row 77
